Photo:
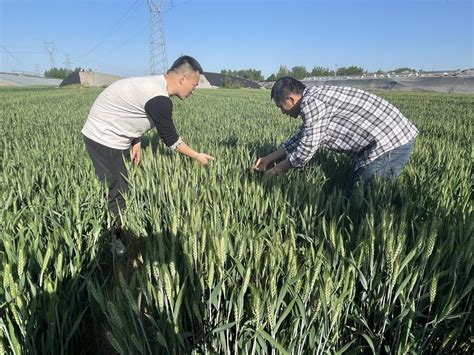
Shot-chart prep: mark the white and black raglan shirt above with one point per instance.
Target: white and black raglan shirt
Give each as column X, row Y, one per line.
column 127, row 109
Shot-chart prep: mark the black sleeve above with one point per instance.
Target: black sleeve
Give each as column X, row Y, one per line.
column 160, row 110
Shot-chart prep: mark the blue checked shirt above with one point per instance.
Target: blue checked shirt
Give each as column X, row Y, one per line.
column 347, row 120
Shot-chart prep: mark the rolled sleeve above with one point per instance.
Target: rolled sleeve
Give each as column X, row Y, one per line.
column 175, row 145
column 315, row 121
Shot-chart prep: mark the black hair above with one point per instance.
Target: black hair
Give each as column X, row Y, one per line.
column 188, row 61
column 285, row 86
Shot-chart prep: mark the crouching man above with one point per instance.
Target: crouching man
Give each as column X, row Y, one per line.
column 376, row 134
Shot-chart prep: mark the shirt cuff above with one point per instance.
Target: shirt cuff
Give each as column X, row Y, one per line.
column 175, row 145
column 287, row 147
column 136, row 140
column 294, row 161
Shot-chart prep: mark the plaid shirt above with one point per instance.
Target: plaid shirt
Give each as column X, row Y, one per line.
column 348, row 120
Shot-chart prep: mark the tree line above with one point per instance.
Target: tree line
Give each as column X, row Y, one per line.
column 300, row 72
column 59, row 73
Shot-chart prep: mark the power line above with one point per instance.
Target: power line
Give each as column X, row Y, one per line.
column 128, row 39
column 11, row 55
column 173, row 6
column 23, row 52
column 115, row 27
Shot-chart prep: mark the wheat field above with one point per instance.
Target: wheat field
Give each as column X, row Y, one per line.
column 222, row 260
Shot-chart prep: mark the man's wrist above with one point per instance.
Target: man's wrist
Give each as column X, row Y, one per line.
column 283, row 166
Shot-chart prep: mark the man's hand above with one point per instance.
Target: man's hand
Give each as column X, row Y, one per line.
column 281, row 167
column 261, row 164
column 203, row 158
column 272, row 172
column 136, row 153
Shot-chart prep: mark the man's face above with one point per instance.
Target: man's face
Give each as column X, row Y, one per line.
column 188, row 83
column 290, row 106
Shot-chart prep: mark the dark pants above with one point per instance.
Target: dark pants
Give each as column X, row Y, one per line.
column 386, row 166
column 110, row 167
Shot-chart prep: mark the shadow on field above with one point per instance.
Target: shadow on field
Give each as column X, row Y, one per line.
column 154, row 142
column 157, row 271
column 336, row 168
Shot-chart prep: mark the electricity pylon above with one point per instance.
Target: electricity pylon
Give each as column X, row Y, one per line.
column 49, row 46
column 158, row 62
column 67, row 62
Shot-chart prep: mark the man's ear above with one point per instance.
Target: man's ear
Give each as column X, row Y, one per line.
column 181, row 79
column 294, row 98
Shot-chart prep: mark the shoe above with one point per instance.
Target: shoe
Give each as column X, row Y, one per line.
column 119, row 248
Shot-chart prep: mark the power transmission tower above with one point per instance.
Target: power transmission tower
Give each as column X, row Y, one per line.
column 67, row 62
column 49, row 46
column 158, row 61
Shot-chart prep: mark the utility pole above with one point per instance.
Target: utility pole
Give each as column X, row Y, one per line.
column 158, row 61
column 49, row 47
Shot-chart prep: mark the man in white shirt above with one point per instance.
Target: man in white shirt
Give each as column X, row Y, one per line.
column 127, row 109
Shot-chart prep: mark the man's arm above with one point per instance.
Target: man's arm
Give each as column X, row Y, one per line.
column 262, row 163
column 202, row 158
column 291, row 144
column 315, row 121
column 160, row 109
column 285, row 149
column 281, row 167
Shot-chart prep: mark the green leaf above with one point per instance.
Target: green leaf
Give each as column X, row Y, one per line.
column 75, row 326
column 344, row 348
column 179, row 301
column 401, row 287
column 223, row 327
column 272, row 341
column 215, row 293
column 285, row 314
column 369, row 341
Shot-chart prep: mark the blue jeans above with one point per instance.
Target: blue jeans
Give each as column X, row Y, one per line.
column 387, row 165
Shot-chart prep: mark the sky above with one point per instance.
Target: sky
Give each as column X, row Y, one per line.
column 113, row 36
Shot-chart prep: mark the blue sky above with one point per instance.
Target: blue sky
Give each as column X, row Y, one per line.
column 113, row 36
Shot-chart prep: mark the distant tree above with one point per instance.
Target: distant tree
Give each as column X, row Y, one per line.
column 380, row 72
column 271, row 78
column 230, row 84
column 320, row 71
column 298, row 72
column 283, row 71
column 250, row 74
column 352, row 70
column 401, row 70
column 59, row 73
